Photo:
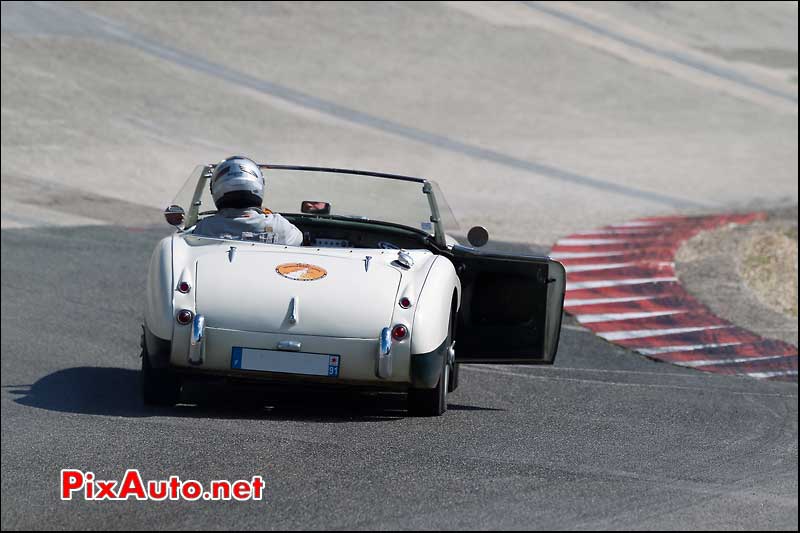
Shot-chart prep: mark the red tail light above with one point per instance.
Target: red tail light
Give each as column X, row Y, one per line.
column 184, row 287
column 184, row 316
column 399, row 332
column 405, row 303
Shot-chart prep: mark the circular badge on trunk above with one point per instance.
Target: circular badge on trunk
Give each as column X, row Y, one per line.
column 301, row 271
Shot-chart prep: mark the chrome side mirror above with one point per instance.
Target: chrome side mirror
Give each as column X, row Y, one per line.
column 478, row 236
column 175, row 215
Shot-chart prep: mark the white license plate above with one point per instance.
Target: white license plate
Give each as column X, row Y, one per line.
column 310, row 364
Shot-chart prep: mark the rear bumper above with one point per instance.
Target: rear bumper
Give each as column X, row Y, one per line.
column 357, row 357
column 280, row 383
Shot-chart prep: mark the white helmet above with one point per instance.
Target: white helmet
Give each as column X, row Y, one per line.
column 237, row 182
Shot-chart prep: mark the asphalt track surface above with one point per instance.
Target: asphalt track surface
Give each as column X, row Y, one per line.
column 604, row 439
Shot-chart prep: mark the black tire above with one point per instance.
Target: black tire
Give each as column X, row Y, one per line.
column 453, row 378
column 160, row 387
column 433, row 402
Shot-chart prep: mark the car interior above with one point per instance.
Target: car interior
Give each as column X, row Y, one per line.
column 324, row 232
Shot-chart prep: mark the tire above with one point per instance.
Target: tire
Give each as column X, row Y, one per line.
column 160, row 387
column 433, row 402
column 453, row 378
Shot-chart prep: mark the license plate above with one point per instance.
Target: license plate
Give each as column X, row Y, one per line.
column 309, row 364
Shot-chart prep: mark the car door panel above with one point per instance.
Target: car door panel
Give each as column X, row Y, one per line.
column 511, row 307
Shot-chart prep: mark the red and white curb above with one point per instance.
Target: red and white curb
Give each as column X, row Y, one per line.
column 621, row 284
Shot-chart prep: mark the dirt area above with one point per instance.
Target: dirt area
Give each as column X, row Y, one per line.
column 768, row 265
column 747, row 274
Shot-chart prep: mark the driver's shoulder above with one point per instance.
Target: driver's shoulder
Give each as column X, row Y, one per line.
column 272, row 216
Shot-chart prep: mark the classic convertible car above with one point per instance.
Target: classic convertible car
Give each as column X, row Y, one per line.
column 379, row 296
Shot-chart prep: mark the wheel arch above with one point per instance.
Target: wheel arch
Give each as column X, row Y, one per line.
column 159, row 298
column 441, row 290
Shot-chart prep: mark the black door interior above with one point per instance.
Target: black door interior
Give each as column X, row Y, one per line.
column 511, row 308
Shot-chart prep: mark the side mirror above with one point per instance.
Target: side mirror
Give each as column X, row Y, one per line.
column 175, row 215
column 478, row 236
column 315, row 208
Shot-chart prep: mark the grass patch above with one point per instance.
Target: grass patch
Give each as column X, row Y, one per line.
column 769, row 267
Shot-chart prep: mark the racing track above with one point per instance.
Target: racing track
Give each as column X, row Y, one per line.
column 604, row 439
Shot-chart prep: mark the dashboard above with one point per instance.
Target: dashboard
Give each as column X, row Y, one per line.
column 322, row 242
column 322, row 233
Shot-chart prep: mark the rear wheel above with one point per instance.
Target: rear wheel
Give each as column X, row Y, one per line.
column 430, row 402
column 453, row 378
column 159, row 386
column 433, row 402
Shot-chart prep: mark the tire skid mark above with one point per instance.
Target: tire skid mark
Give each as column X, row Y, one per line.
column 621, row 285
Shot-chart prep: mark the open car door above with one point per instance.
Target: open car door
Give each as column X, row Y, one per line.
column 511, row 307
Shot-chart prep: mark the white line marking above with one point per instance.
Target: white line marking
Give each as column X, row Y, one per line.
column 587, row 242
column 642, row 333
column 596, row 266
column 714, row 362
column 762, row 375
column 596, row 301
column 635, row 224
column 608, row 266
column 599, row 284
column 584, row 255
column 618, row 384
column 631, row 231
column 549, row 368
column 686, row 348
column 611, row 317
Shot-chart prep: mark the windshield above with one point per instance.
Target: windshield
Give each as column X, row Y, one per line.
column 356, row 196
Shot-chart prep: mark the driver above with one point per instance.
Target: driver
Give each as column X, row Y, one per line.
column 237, row 186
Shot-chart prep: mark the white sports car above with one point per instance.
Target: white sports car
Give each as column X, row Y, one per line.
column 379, row 296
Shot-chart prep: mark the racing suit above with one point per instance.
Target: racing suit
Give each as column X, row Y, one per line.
column 250, row 224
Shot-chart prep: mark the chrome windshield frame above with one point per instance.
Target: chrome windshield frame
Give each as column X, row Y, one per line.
column 436, row 218
column 193, row 214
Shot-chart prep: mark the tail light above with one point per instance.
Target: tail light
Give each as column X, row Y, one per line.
column 184, row 287
column 404, row 302
column 399, row 332
column 184, row 317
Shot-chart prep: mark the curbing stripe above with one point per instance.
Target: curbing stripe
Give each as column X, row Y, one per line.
column 612, row 317
column 621, row 285
column 684, row 348
column 599, row 284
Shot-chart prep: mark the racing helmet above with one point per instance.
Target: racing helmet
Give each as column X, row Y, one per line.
column 237, row 182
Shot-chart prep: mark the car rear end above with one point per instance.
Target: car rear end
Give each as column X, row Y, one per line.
column 263, row 312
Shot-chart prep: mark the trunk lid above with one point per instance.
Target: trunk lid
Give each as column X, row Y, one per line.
column 249, row 293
